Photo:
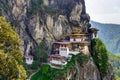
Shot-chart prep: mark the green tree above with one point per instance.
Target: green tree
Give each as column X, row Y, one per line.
column 99, row 54
column 10, row 54
column 40, row 53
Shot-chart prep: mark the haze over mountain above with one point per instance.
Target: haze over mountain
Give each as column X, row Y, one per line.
column 110, row 34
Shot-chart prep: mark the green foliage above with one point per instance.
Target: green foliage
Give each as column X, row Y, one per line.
column 40, row 53
column 10, row 55
column 43, row 73
column 48, row 73
column 82, row 58
column 15, row 23
column 117, row 78
column 50, row 10
column 33, row 66
column 8, row 37
column 99, row 54
column 41, row 1
column 110, row 35
column 38, row 7
column 4, row 6
column 115, row 61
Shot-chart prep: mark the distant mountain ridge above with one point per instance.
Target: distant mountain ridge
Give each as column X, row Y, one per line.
column 110, row 35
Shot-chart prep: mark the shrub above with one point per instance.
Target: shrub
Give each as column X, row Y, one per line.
column 34, row 65
column 40, row 54
column 100, row 57
column 48, row 73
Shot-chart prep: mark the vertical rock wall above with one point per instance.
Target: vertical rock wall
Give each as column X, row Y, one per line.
column 49, row 19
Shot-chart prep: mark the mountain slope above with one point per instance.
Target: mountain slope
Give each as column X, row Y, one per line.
column 115, row 61
column 110, row 34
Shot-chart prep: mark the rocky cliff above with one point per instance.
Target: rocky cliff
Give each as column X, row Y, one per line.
column 88, row 71
column 80, row 67
column 49, row 19
column 35, row 20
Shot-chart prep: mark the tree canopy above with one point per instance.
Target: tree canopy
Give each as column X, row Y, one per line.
column 100, row 56
column 10, row 54
column 40, row 53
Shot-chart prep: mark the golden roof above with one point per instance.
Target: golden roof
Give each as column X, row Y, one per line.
column 76, row 31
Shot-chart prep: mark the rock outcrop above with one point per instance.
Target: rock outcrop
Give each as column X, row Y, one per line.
column 88, row 71
column 49, row 19
column 35, row 20
column 82, row 67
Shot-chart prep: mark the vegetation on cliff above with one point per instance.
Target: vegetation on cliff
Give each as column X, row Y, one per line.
column 100, row 56
column 115, row 61
column 38, row 7
column 72, row 13
column 10, row 54
column 48, row 73
column 109, row 34
column 41, row 54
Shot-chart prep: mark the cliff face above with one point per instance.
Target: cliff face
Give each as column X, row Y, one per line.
column 49, row 19
column 80, row 67
column 88, row 71
column 35, row 20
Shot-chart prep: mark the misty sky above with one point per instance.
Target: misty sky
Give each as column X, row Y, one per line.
column 105, row 11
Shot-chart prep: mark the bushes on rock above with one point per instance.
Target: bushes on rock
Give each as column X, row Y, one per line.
column 99, row 54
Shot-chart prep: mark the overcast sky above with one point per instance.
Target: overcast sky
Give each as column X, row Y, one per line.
column 105, row 11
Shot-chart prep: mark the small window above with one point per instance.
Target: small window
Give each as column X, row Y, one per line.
column 65, row 45
column 74, row 39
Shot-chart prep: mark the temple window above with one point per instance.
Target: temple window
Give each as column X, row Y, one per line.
column 27, row 58
column 77, row 45
column 65, row 45
column 74, row 39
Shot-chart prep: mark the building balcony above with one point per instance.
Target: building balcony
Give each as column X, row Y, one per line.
column 59, row 62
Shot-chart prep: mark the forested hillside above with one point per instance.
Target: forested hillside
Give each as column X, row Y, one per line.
column 115, row 61
column 110, row 34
